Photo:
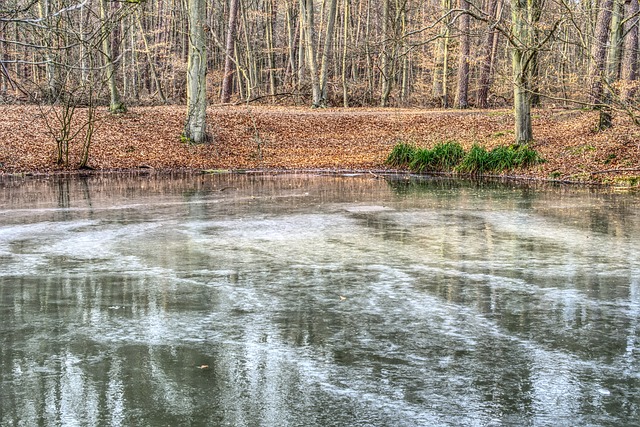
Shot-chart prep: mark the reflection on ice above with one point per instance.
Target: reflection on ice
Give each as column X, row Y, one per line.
column 296, row 300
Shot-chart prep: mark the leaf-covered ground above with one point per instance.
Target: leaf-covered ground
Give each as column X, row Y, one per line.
column 286, row 138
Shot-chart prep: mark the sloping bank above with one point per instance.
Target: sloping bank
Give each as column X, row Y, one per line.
column 287, row 138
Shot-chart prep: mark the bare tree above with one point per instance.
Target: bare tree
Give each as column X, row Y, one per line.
column 227, row 79
column 115, row 104
column 195, row 129
column 328, row 41
column 599, row 51
column 307, row 14
column 462, row 94
column 489, row 49
column 629, row 72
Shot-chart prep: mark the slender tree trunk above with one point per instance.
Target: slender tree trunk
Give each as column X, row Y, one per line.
column 345, row 35
column 385, row 63
column 534, row 66
column 51, row 91
column 4, row 57
column 440, row 92
column 292, row 37
column 307, row 15
column 404, row 89
column 486, row 68
column 630, row 50
column 229, row 66
column 300, row 53
column 613, row 63
column 271, row 60
column 462, row 95
column 195, row 129
column 599, row 52
column 115, row 103
column 151, row 61
column 326, row 52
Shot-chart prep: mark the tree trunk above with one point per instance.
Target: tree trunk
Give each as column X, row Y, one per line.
column 195, row 127
column 462, row 95
column 599, row 52
column 51, row 91
column 270, row 27
column 442, row 60
column 115, row 103
column 630, row 50
column 385, row 62
column 486, row 67
column 523, row 21
column 307, row 16
column 345, row 35
column 229, row 66
column 328, row 41
column 613, row 63
column 151, row 61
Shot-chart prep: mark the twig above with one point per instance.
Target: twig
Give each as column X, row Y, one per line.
column 616, row 170
column 264, row 96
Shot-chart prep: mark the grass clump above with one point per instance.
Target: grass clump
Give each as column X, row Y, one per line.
column 401, row 155
column 450, row 156
column 477, row 160
column 442, row 157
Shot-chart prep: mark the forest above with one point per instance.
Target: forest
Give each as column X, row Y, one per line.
column 445, row 54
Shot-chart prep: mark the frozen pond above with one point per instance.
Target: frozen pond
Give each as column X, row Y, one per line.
column 299, row 300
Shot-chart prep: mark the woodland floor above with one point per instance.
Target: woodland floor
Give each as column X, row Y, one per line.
column 292, row 138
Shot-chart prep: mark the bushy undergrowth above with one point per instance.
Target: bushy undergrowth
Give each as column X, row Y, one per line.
column 451, row 157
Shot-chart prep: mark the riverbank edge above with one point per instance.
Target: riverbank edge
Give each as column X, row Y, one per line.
column 293, row 140
column 371, row 173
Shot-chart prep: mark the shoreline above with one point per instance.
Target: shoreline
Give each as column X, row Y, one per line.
column 374, row 174
column 267, row 139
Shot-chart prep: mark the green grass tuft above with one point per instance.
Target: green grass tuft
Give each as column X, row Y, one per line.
column 450, row 156
column 442, row 157
column 422, row 160
column 476, row 161
column 401, row 155
column 447, row 155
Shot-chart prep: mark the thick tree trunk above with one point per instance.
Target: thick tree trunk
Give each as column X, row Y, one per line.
column 195, row 129
column 462, row 95
column 521, row 101
column 524, row 18
column 229, row 65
